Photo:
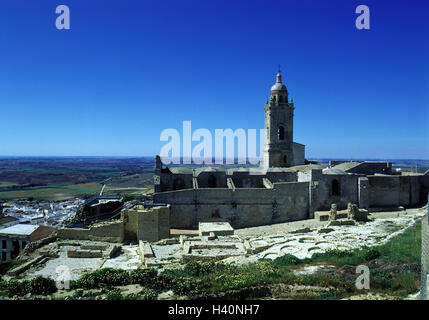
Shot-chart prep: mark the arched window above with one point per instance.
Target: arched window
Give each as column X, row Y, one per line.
column 212, row 181
column 281, row 133
column 284, row 159
column 335, row 188
column 178, row 184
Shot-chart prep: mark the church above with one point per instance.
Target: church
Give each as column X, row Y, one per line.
column 286, row 187
column 280, row 149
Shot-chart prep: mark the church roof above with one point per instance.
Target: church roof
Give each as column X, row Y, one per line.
column 345, row 166
column 306, row 167
column 333, row 171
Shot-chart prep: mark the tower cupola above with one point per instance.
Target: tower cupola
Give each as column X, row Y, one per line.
column 278, row 93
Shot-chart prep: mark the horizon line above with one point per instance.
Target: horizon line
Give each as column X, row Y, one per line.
column 153, row 156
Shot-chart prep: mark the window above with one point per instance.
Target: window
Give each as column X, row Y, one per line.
column 284, row 159
column 281, row 133
column 335, row 188
column 3, row 244
column 3, row 256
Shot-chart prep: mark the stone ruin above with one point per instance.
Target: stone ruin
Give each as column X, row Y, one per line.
column 354, row 213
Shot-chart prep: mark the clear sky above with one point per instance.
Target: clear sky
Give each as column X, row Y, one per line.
column 126, row 70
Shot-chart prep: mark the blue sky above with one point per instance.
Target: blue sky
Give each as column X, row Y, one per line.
column 126, row 70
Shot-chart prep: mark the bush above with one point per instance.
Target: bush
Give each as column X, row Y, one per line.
column 37, row 286
column 407, row 282
column 43, row 286
column 199, row 268
column 17, row 288
column 104, row 277
column 339, row 253
column 143, row 276
column 114, row 294
column 381, row 279
column 146, row 294
column 287, row 260
column 372, row 254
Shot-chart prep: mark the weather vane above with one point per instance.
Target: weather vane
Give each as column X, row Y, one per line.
column 279, row 68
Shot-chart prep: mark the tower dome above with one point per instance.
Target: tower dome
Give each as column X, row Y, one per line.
column 278, row 86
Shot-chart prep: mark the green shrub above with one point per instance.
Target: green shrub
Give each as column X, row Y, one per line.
column 287, row 259
column 143, row 276
column 372, row 254
column 36, row 286
column 408, row 282
column 199, row 268
column 380, row 279
column 114, row 294
column 17, row 288
column 103, row 277
column 339, row 253
column 147, row 294
column 43, row 286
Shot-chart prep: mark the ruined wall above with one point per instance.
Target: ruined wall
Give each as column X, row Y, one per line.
column 424, row 187
column 178, row 181
column 281, row 176
column 324, row 192
column 245, row 207
column 242, row 179
column 130, row 221
column 205, row 178
column 154, row 224
column 387, row 191
column 298, row 151
column 383, row 191
column 111, row 231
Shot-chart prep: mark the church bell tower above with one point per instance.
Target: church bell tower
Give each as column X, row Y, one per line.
column 279, row 127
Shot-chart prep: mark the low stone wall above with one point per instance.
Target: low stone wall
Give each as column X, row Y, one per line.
column 76, row 253
column 111, row 231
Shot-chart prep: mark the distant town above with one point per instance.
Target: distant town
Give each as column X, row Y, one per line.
column 51, row 214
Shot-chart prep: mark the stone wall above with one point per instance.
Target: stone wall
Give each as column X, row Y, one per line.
column 298, row 151
column 146, row 223
column 286, row 201
column 324, row 193
column 388, row 191
column 111, row 231
column 154, row 224
column 178, row 181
